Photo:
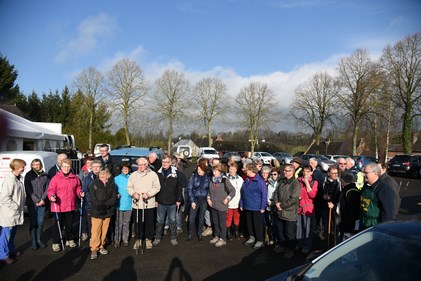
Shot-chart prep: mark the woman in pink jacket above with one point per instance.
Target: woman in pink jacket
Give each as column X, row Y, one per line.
column 306, row 221
column 63, row 192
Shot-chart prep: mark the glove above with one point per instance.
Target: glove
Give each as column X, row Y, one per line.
column 102, row 207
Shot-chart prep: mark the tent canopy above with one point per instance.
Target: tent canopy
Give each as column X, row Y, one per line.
column 22, row 128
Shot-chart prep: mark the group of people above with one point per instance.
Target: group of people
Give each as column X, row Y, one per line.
column 273, row 205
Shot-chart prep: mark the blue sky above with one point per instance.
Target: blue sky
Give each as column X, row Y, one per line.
column 280, row 42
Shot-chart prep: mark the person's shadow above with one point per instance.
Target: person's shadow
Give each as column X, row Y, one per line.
column 183, row 274
column 126, row 269
column 64, row 267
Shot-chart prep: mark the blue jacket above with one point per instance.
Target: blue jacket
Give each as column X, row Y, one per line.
column 254, row 194
column 125, row 201
column 198, row 187
column 87, row 181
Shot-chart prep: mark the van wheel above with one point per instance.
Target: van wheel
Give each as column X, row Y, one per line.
column 186, row 153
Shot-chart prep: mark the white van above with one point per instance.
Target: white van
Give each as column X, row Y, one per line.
column 48, row 159
column 208, row 153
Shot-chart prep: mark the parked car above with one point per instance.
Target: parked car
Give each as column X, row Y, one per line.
column 405, row 165
column 130, row 155
column 388, row 251
column 265, row 157
column 208, row 153
column 362, row 160
column 335, row 157
column 236, row 156
column 323, row 161
column 283, row 157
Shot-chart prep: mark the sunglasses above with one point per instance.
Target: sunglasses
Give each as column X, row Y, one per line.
column 274, row 174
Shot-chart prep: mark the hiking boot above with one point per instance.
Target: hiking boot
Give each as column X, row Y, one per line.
column 71, row 244
column 148, row 244
column 56, row 247
column 156, row 242
column 214, row 240
column 85, row 236
column 179, row 230
column 250, row 241
column 188, row 240
column 174, row 242
column 116, row 244
column 208, row 231
column 103, row 251
column 137, row 244
column 258, row 244
column 126, row 243
column 289, row 254
column 220, row 243
column 94, row 255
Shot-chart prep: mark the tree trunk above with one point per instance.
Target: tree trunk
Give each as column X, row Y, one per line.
column 318, row 136
column 91, row 121
column 169, row 136
column 407, row 131
column 126, row 130
column 209, row 134
column 355, row 138
column 376, row 138
column 389, row 121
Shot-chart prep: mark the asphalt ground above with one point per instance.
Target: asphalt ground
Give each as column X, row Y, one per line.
column 194, row 261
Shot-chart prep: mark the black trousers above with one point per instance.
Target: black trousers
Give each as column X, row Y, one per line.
column 147, row 228
column 66, row 223
column 255, row 224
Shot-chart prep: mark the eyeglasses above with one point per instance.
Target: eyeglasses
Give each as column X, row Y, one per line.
column 274, row 174
column 333, row 173
column 142, row 164
column 342, row 163
column 166, row 161
column 368, row 172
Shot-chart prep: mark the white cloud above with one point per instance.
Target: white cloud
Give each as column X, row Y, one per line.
column 91, row 32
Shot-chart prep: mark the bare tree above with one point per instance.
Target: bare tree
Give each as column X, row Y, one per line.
column 90, row 82
column 171, row 95
column 255, row 103
column 126, row 86
column 357, row 81
column 402, row 62
column 208, row 95
column 314, row 103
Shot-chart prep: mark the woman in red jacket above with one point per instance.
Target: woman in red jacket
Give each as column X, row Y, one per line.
column 306, row 221
column 63, row 192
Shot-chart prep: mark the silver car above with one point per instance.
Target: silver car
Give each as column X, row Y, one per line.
column 322, row 160
column 283, row 157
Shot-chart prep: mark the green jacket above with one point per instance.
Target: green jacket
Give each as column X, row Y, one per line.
column 288, row 195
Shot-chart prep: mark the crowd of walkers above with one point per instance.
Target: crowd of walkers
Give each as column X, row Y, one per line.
column 279, row 206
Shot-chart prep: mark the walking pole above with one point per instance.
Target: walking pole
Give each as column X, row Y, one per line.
column 117, row 231
column 137, row 225
column 80, row 220
column 145, row 203
column 58, row 224
column 328, row 228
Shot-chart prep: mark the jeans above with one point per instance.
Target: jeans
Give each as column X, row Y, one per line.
column 36, row 216
column 219, row 223
column 7, row 241
column 161, row 212
column 306, row 226
column 201, row 207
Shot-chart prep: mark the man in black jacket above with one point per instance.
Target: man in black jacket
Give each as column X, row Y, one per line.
column 169, row 199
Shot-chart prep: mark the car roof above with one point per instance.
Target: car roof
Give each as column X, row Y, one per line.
column 133, row 151
column 410, row 229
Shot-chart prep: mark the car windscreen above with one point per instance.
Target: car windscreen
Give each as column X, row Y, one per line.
column 373, row 255
column 265, row 154
column 209, row 151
